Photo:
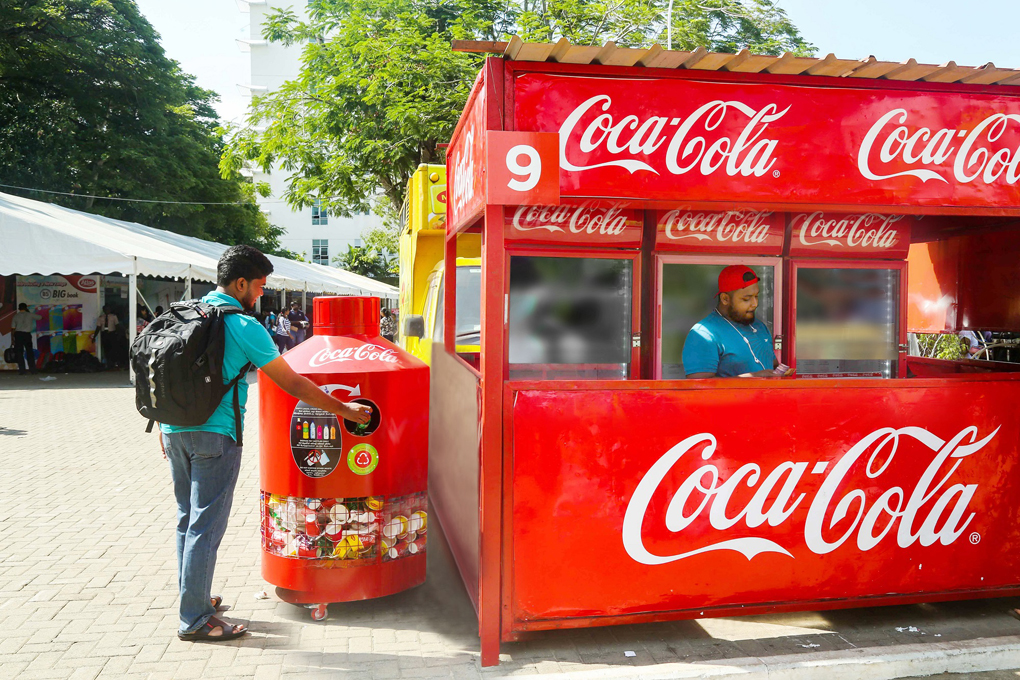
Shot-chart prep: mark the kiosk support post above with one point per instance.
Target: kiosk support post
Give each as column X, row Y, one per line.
column 491, row 482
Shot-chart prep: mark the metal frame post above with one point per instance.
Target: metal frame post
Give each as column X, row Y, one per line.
column 132, row 314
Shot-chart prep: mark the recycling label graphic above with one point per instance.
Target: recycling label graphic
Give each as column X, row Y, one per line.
column 315, row 437
column 362, row 459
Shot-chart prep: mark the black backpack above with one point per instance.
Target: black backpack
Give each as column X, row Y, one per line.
column 178, row 365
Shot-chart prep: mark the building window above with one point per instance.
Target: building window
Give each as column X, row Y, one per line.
column 320, row 251
column 319, row 215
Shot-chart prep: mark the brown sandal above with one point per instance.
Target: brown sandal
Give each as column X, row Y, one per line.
column 204, row 633
column 216, row 601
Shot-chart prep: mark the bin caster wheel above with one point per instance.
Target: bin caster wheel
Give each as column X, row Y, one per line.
column 319, row 612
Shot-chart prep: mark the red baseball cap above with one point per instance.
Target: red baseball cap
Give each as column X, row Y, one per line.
column 735, row 277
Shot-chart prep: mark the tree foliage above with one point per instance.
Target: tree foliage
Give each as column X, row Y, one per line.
column 90, row 104
column 380, row 89
column 368, row 262
column 942, row 346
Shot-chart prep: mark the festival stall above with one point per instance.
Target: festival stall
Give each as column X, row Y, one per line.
column 582, row 481
column 66, row 265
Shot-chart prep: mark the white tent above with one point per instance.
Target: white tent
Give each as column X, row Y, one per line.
column 42, row 238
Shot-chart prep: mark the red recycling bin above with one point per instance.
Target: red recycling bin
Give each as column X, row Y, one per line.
column 344, row 506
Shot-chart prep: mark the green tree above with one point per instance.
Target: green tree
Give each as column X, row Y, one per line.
column 90, row 104
column 368, row 262
column 380, row 88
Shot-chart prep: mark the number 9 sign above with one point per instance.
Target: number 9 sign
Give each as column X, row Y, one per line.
column 523, row 168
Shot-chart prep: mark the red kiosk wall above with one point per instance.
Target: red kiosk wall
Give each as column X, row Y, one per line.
column 796, row 500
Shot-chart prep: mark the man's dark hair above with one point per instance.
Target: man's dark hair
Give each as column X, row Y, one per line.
column 242, row 262
column 23, row 307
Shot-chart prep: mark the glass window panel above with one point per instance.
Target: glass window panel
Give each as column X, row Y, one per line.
column 688, row 296
column 847, row 322
column 570, row 318
column 469, row 307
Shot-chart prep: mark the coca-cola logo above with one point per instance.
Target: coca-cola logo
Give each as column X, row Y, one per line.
column 869, row 230
column 976, row 158
column 360, row 353
column 737, row 226
column 696, row 143
column 587, row 218
column 933, row 511
column 464, row 172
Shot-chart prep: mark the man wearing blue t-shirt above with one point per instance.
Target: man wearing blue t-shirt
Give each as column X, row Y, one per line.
column 730, row 342
column 205, row 460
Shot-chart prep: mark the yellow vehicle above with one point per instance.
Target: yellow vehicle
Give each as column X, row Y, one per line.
column 422, row 243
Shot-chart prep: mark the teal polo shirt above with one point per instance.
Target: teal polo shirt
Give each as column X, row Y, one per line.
column 246, row 341
column 718, row 345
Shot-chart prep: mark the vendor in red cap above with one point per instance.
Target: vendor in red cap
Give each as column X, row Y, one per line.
column 730, row 342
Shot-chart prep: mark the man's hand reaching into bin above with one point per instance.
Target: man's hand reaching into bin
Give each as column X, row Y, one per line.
column 280, row 372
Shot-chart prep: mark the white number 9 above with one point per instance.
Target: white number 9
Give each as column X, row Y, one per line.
column 533, row 168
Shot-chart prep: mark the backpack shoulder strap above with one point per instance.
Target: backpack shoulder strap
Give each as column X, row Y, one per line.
column 235, row 386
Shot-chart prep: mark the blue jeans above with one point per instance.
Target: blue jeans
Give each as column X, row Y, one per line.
column 204, row 466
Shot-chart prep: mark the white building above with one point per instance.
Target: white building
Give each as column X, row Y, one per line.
column 319, row 236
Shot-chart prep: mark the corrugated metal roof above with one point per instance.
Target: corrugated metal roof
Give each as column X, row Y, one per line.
column 564, row 52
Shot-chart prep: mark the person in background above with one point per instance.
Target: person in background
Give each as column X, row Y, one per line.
column 973, row 342
column 283, row 337
column 22, row 324
column 270, row 321
column 159, row 310
column 298, row 322
column 205, row 460
column 388, row 325
column 107, row 330
column 144, row 319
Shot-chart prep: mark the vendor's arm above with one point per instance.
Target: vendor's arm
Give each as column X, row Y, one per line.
column 280, row 372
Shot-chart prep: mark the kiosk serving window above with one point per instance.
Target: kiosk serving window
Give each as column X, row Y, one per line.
column 847, row 320
column 688, row 287
column 570, row 317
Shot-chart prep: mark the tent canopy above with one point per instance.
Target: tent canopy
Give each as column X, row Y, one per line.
column 42, row 238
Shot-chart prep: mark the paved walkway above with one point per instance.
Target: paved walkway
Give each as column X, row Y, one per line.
column 88, row 586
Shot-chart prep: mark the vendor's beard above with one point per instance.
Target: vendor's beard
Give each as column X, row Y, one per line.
column 747, row 321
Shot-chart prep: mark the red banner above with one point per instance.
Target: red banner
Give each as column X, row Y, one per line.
column 684, row 140
column 760, row 495
column 747, row 232
column 822, row 234
column 590, row 223
column 465, row 174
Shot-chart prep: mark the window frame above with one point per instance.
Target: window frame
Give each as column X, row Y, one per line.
column 795, row 265
column 779, row 294
column 634, row 256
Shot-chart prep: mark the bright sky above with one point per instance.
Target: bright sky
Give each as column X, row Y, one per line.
column 200, row 34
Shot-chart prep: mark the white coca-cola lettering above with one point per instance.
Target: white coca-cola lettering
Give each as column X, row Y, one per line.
column 975, row 159
column 359, row 353
column 869, row 230
column 738, row 226
column 464, row 172
column 587, row 218
column 687, row 150
column 911, row 511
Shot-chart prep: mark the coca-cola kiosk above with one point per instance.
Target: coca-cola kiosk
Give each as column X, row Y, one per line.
column 581, row 480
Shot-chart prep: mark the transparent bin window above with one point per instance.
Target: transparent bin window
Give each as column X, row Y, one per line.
column 689, row 295
column 847, row 322
column 570, row 318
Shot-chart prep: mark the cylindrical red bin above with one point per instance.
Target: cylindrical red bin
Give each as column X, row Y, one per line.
column 344, row 507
